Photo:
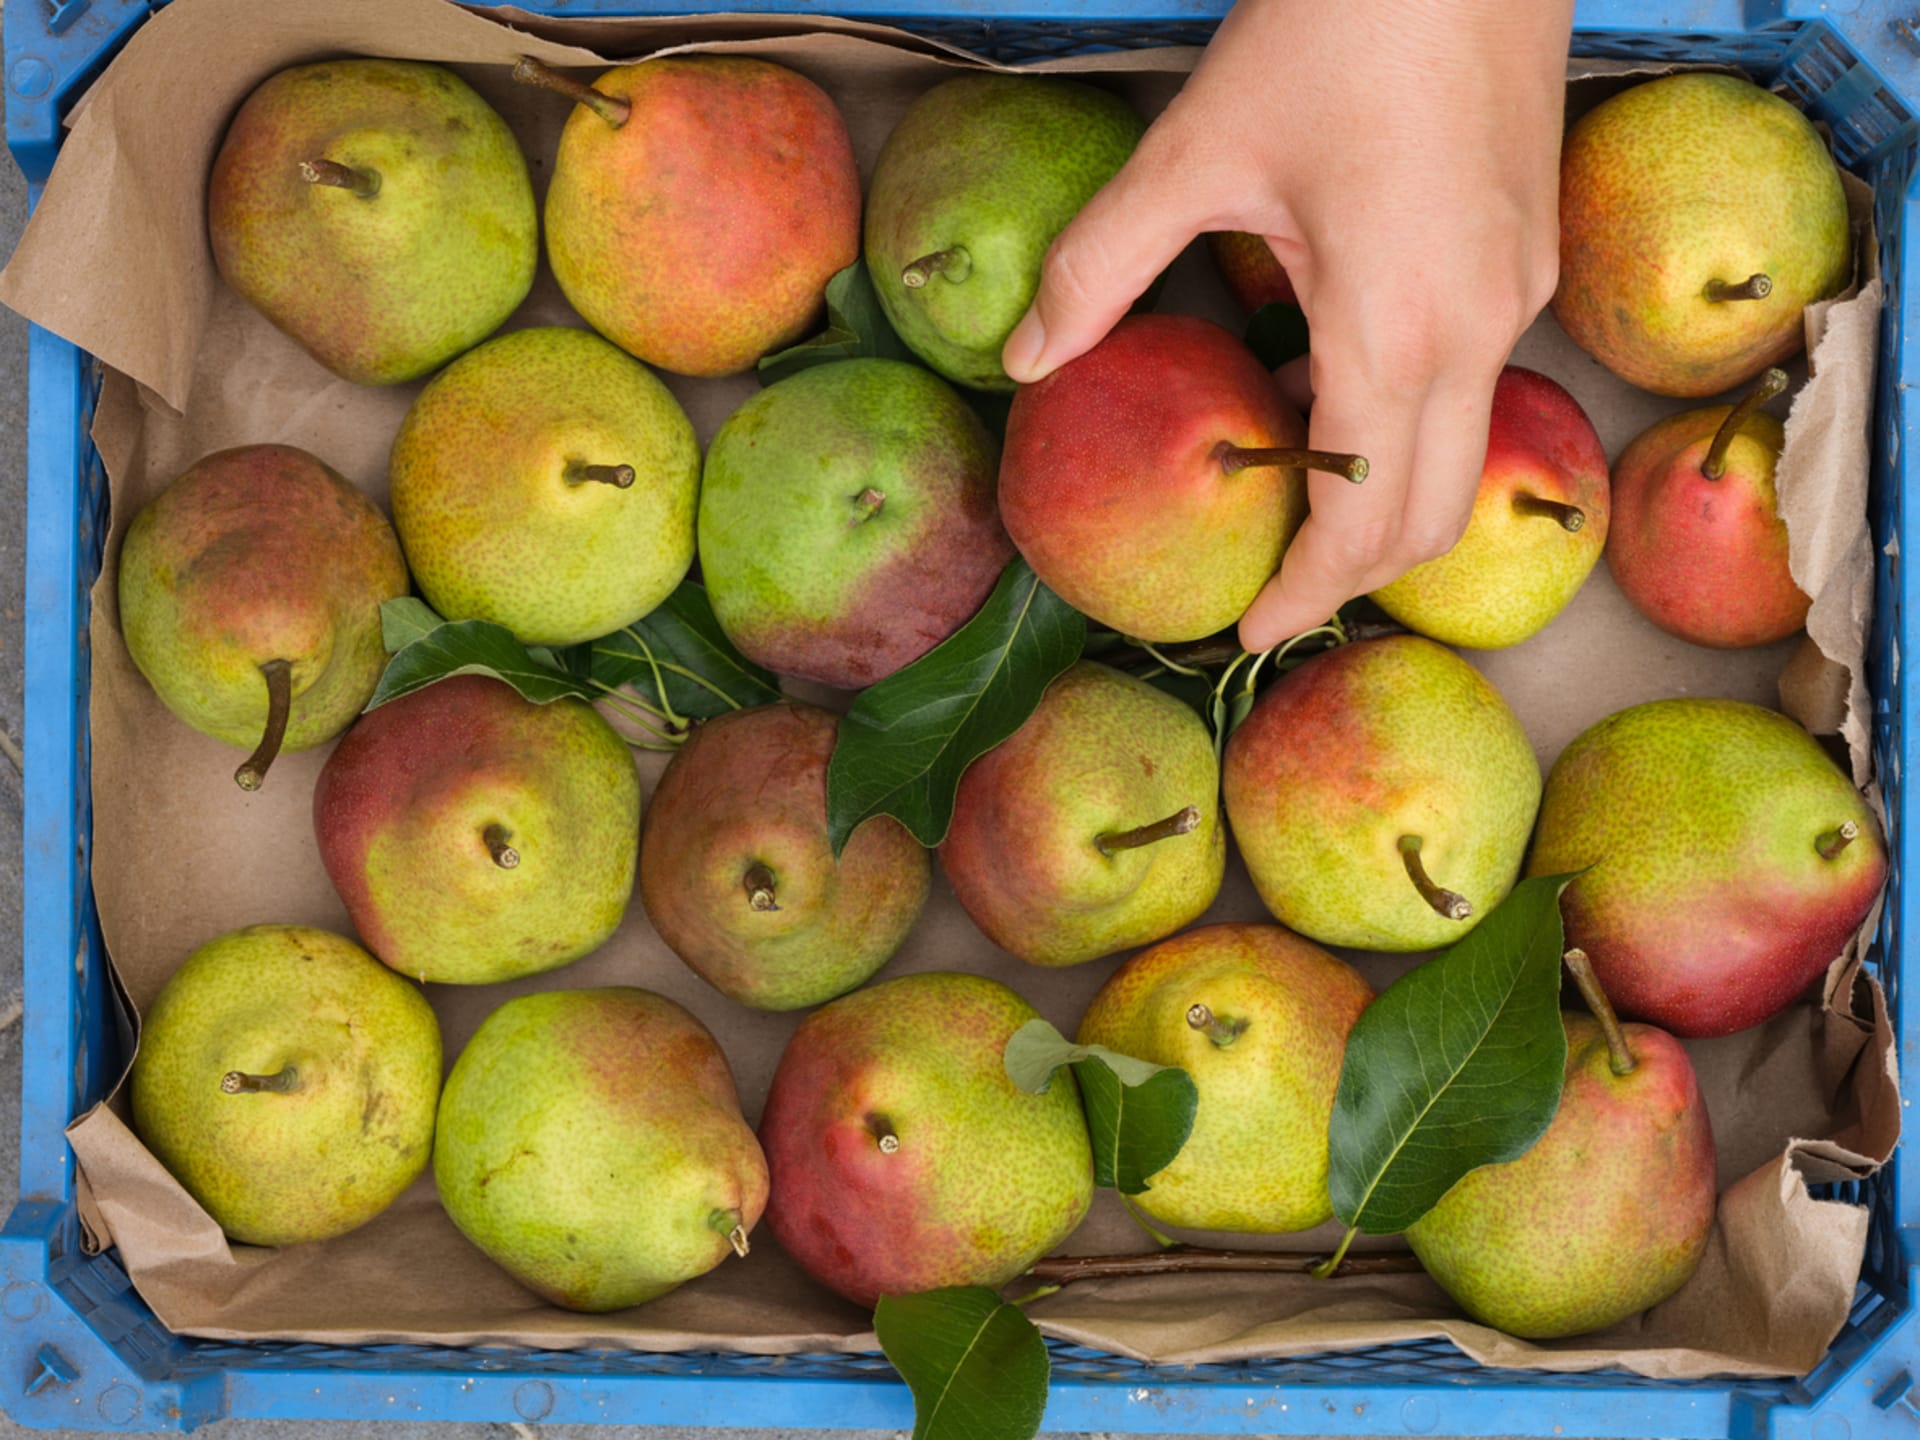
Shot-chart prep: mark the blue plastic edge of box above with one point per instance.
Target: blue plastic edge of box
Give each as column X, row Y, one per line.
column 79, row 1349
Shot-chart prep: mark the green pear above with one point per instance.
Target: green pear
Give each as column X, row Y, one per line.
column 288, row 1081
column 739, row 878
column 1259, row 1018
column 1699, row 216
column 1094, row 827
column 903, row 1158
column 250, row 593
column 377, row 211
column 1610, row 1210
column 591, row 1143
column 546, row 481
column 1382, row 795
column 475, row 836
column 972, row 186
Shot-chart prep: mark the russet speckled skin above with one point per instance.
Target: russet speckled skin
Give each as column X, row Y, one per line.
column 1605, row 1216
column 1246, row 262
column 749, row 790
column 701, row 233
column 1708, row 908
column 403, row 805
column 1256, row 1160
column 1102, row 754
column 804, row 577
column 255, row 554
column 278, row 1169
column 492, row 527
column 1510, row 574
column 1705, row 559
column 1111, row 488
column 591, row 1143
column 997, row 165
column 986, row 1178
column 1683, row 180
column 1358, row 747
column 385, row 288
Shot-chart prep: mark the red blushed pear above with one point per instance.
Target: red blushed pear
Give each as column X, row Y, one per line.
column 1246, row 262
column 903, row 1158
column 1698, row 545
column 1154, row 482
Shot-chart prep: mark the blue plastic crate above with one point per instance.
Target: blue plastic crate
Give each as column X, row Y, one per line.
column 79, row 1348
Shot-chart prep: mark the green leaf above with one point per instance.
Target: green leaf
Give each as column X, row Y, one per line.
column 405, row 620
column 1277, row 333
column 1458, row 1064
column 467, row 647
column 976, row 1365
column 907, row 740
column 856, row 328
column 1138, row 1114
column 677, row 658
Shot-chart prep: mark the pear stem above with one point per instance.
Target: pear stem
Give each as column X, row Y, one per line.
column 1330, row 1267
column 1447, row 903
column 363, row 183
column 281, row 1082
column 1188, row 1259
column 1181, row 822
column 253, row 769
column 881, row 1128
column 759, row 883
column 1754, row 287
column 1233, row 459
column 1770, row 384
column 867, row 504
column 727, row 1223
column 1221, row 1031
column 498, row 839
column 610, row 108
column 580, row 473
column 1570, row 518
column 1834, row 841
column 1580, row 967
column 953, row 262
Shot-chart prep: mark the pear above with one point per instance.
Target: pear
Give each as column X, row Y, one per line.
column 847, row 521
column 972, row 186
column 739, row 878
column 546, row 482
column 1727, row 860
column 1252, row 272
column 1539, row 522
column 377, row 211
column 699, row 205
column 1381, row 795
column 1607, row 1214
column 1700, row 548
column 475, row 836
column 591, row 1143
column 903, row 1158
column 1094, row 827
column 250, row 593
column 1259, row 1018
column 288, row 1081
column 1699, row 216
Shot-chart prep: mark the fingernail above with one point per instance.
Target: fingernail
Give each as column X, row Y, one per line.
column 1021, row 356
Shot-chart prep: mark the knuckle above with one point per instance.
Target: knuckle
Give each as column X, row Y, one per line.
column 1066, row 270
column 1358, row 547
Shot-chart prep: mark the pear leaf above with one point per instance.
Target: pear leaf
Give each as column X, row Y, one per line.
column 678, row 659
column 1138, row 1114
column 976, row 1365
column 428, row 653
column 1277, row 333
column 857, row 328
column 908, row 739
column 1456, row 1065
column 405, row 620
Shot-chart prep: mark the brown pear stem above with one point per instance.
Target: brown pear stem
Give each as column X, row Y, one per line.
column 281, row 1082
column 1570, row 518
column 253, row 769
column 1580, row 967
column 580, row 473
column 363, row 183
column 1192, row 1259
column 1181, row 822
column 953, row 262
column 881, row 1128
column 727, row 1223
column 499, row 845
column 1222, row 1031
column 1447, row 903
column 1754, row 287
column 1770, row 384
column 867, row 504
column 759, row 884
column 610, row 108
column 1834, row 841
column 1233, row 459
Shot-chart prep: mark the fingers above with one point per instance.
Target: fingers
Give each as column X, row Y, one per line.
column 1296, row 383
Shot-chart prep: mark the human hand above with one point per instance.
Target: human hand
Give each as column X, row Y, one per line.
column 1402, row 160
